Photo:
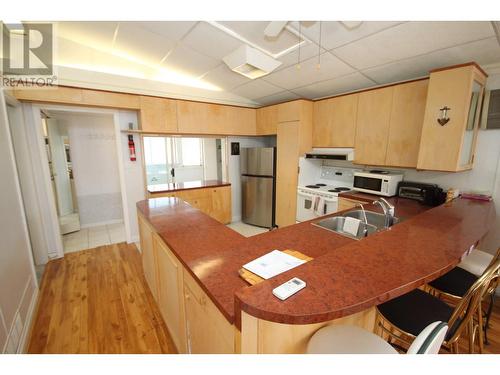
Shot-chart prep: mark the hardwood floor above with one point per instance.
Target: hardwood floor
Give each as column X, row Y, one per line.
column 97, row 301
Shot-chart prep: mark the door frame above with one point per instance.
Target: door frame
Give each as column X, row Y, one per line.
column 7, row 99
column 52, row 215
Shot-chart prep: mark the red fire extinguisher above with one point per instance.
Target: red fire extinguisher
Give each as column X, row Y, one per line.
column 131, row 147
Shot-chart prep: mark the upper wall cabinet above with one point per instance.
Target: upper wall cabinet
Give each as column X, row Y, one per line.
column 158, row 115
column 407, row 116
column 373, row 120
column 267, row 120
column 451, row 118
column 335, row 121
column 389, row 124
column 206, row 118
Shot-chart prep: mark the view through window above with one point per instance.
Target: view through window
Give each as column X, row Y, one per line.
column 182, row 159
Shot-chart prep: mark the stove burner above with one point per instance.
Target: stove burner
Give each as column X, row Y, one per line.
column 312, row 186
column 334, row 191
column 320, row 184
column 341, row 188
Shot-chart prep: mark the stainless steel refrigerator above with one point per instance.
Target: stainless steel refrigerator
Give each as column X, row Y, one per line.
column 258, row 172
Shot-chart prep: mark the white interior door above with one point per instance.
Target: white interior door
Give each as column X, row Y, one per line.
column 60, row 169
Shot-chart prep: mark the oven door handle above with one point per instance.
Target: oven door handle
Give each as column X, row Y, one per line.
column 304, row 194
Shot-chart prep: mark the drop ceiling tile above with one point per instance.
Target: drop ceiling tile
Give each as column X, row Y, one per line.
column 292, row 77
column 307, row 51
column 225, row 78
column 411, row 39
column 141, row 43
column 210, row 41
column 486, row 51
column 89, row 33
column 335, row 34
column 256, row 89
column 277, row 98
column 188, row 61
column 334, row 86
column 253, row 31
column 173, row 30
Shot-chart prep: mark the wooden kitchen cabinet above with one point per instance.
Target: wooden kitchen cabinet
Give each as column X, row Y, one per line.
column 405, row 129
column 451, row 147
column 372, row 126
column 334, row 123
column 267, row 120
column 207, row 118
column 207, row 330
column 287, row 171
column 171, row 293
column 213, row 201
column 294, row 139
column 158, row 115
column 221, row 204
column 148, row 255
column 294, row 110
column 239, row 121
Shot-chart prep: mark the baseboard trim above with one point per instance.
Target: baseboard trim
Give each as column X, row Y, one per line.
column 28, row 325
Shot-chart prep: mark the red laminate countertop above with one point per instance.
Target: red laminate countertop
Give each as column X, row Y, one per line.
column 176, row 186
column 346, row 276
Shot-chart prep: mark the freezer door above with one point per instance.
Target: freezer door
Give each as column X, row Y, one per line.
column 257, row 200
column 258, row 161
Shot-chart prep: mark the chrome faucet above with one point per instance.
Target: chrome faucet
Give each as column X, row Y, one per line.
column 388, row 211
column 365, row 230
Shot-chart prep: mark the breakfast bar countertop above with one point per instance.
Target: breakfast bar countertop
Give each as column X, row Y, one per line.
column 177, row 186
column 345, row 276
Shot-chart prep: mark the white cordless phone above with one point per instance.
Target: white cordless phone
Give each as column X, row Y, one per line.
column 289, row 288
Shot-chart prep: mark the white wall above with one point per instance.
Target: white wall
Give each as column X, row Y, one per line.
column 17, row 278
column 133, row 177
column 234, row 172
column 210, row 158
column 95, row 167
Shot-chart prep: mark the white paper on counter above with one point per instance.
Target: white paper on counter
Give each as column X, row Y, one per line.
column 273, row 264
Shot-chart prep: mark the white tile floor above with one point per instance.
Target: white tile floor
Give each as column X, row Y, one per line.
column 246, row 229
column 89, row 238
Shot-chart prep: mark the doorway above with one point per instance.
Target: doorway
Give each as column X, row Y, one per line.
column 83, row 165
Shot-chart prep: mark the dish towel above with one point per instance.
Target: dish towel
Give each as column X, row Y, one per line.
column 351, row 225
column 319, row 206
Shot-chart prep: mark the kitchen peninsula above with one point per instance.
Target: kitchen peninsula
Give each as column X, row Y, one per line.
column 191, row 263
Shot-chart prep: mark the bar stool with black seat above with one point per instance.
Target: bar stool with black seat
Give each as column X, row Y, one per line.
column 354, row 340
column 402, row 318
column 453, row 285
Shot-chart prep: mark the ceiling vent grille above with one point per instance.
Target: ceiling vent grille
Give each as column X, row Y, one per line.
column 250, row 62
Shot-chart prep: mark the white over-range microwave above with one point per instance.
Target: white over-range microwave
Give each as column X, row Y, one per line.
column 380, row 183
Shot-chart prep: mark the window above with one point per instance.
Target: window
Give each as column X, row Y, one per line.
column 182, row 159
column 190, row 152
column 155, row 150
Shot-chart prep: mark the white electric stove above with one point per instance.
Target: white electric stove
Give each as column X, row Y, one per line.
column 321, row 198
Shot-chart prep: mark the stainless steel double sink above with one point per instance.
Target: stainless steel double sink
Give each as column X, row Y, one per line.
column 374, row 222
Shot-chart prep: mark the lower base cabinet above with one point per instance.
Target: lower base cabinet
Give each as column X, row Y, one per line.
column 207, row 330
column 170, row 292
column 194, row 322
column 215, row 202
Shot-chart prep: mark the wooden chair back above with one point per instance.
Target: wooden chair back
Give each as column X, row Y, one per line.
column 469, row 304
